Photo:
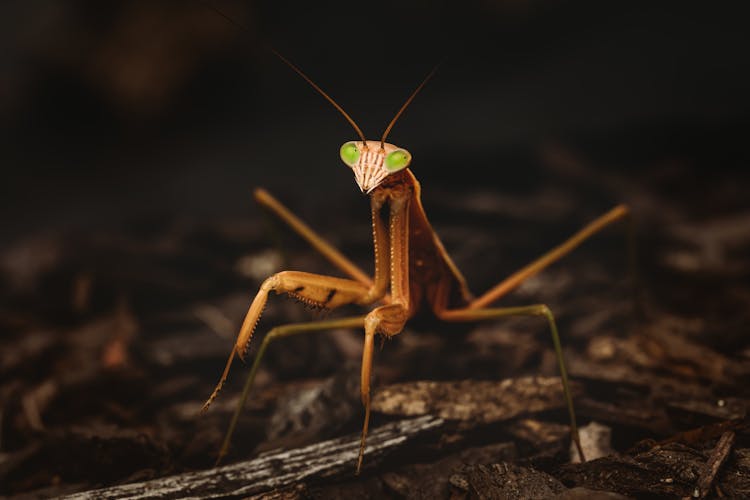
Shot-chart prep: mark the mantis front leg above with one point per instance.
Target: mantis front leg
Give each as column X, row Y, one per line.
column 275, row 334
column 324, row 292
column 388, row 320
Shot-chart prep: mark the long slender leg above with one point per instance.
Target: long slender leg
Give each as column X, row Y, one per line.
column 275, row 334
column 313, row 289
column 461, row 315
column 514, row 280
column 316, row 241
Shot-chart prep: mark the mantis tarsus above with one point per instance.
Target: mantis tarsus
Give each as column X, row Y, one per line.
column 413, row 272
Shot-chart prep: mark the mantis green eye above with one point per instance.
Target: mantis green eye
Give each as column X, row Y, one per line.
column 397, row 160
column 349, row 153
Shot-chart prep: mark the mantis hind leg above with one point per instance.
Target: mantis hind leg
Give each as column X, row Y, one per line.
column 618, row 213
column 467, row 315
column 275, row 334
column 333, row 255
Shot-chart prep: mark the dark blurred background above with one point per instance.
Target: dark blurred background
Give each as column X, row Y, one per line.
column 116, row 110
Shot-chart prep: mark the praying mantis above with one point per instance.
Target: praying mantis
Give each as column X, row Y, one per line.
column 413, row 273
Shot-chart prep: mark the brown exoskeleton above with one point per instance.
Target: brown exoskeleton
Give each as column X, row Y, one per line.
column 412, row 269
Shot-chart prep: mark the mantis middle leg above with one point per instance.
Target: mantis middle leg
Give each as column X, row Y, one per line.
column 278, row 333
column 467, row 315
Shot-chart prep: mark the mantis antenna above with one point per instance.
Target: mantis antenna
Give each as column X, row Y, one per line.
column 305, row 77
column 321, row 92
column 406, row 105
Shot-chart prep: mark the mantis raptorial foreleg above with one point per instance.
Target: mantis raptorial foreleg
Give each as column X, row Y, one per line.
column 316, row 290
column 388, row 321
column 275, row 334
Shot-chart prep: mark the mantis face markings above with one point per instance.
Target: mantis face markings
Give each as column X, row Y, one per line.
column 373, row 161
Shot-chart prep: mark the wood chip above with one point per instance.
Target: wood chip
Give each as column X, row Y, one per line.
column 715, row 461
column 471, row 400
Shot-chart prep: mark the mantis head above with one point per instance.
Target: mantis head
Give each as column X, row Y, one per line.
column 373, row 161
